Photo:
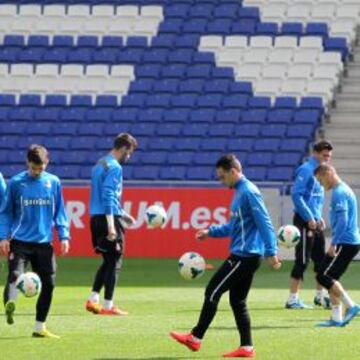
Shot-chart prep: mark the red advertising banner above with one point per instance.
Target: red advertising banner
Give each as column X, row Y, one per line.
column 188, row 210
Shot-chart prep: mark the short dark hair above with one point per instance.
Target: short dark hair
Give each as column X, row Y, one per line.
column 322, row 145
column 37, row 154
column 228, row 162
column 125, row 139
column 322, row 169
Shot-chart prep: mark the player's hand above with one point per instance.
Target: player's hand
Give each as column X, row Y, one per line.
column 331, row 251
column 4, row 247
column 322, row 224
column 202, row 235
column 111, row 234
column 274, row 262
column 312, row 224
column 65, row 247
column 128, row 220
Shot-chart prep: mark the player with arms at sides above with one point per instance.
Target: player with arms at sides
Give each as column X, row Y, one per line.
column 33, row 203
column 308, row 198
column 252, row 237
column 106, row 223
column 345, row 244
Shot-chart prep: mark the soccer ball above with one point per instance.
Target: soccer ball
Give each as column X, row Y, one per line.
column 288, row 236
column 191, row 265
column 155, row 216
column 29, row 284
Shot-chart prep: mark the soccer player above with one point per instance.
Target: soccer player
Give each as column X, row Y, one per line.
column 2, row 189
column 308, row 199
column 33, row 203
column 252, row 236
column 107, row 222
column 345, row 244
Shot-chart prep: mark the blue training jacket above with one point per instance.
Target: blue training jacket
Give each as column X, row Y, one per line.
column 307, row 193
column 343, row 216
column 2, row 189
column 31, row 207
column 250, row 227
column 106, row 187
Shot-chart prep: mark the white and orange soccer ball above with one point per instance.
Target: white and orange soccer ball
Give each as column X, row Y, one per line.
column 29, row 284
column 288, row 236
column 191, row 266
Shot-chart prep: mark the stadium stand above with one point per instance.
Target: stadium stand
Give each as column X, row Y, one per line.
column 190, row 79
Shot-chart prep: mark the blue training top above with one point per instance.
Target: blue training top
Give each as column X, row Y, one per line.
column 250, row 226
column 31, row 207
column 307, row 193
column 106, row 187
column 343, row 216
column 2, row 189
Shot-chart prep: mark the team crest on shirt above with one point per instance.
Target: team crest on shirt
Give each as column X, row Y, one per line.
column 11, row 256
column 48, row 184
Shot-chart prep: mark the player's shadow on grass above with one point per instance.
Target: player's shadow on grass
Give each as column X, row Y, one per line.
column 4, row 338
column 156, row 358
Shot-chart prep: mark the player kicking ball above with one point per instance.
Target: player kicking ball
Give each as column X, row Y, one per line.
column 345, row 245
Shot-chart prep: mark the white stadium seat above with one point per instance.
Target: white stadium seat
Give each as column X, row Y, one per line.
column 275, row 71
column 238, row 42
column 311, row 42
column 298, row 13
column 103, row 11
column 294, row 88
column 261, row 42
column 322, row 13
column 281, row 56
column 286, row 42
column 306, row 56
column 267, row 87
column 211, row 43
column 152, row 12
column 127, row 11
column 256, row 56
column 300, row 72
column 249, row 72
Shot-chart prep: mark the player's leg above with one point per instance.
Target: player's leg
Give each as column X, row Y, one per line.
column 321, row 297
column 302, row 257
column 329, row 276
column 17, row 260
column 44, row 264
column 238, row 294
column 113, row 263
column 221, row 281
column 98, row 227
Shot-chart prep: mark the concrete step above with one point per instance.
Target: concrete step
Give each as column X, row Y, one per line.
column 342, row 134
column 343, row 104
column 351, row 179
column 338, row 121
column 347, row 165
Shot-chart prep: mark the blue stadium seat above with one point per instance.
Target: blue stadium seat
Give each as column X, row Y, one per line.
column 223, row 73
column 106, row 101
column 254, row 116
column 81, row 100
column 56, row 55
column 180, row 11
column 281, row 116
column 285, row 102
column 55, row 100
column 283, row 173
column 192, row 86
column 219, row 26
column 116, row 42
column 225, row 116
column 217, row 144
column 105, row 56
column 72, row 114
column 259, row 159
column 244, row 144
column 67, row 172
column 314, row 29
column 226, row 11
column 137, row 42
column 30, row 100
column 166, row 86
column 21, row 114
column 221, row 130
column 206, row 158
column 183, row 158
column 32, row 55
column 41, row 41
column 183, row 56
column 187, row 42
column 163, row 143
column 198, row 173
column 8, row 142
column 247, row 130
column 307, row 117
column 204, row 115
column 63, row 41
column 273, row 130
column 267, row 144
column 153, row 157
column 133, row 100
column 176, row 115
column 58, row 142
column 210, row 101
column 9, row 55
column 217, row 86
column 104, row 143
column 287, row 159
column 13, row 128
column 143, row 129
column 7, row 100
column 157, row 56
column 183, row 101
column 176, row 71
column 294, row 145
column 17, row 41
column 50, row 114
column 75, row 157
column 195, row 129
column 241, row 87
column 165, row 41
column 171, row 26
column 92, row 129
column 337, row 44
column 309, row 102
column 147, row 71
column 87, row 42
column 83, row 143
column 124, row 114
column 299, row 131
column 194, row 26
column 65, row 128
column 10, row 170
column 256, row 173
column 199, row 71
column 189, row 143
column 238, row 101
column 259, row 102
column 117, row 128
column 142, row 86
column 39, row 128
column 172, row 172
column 159, row 101
column 146, row 173
column 202, row 11
column 295, row 29
column 244, row 28
column 204, row 58
column 267, row 28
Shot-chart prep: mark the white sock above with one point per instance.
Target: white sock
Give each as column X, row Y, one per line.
column 196, row 339
column 94, row 297
column 337, row 313
column 247, row 347
column 39, row 326
column 13, row 292
column 293, row 297
column 108, row 304
column 345, row 299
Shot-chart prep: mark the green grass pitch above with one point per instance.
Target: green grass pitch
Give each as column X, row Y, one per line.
column 160, row 301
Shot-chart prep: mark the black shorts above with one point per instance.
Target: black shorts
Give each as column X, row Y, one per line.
column 333, row 268
column 40, row 256
column 311, row 245
column 99, row 233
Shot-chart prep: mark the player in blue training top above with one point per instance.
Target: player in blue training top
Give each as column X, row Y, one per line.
column 252, row 237
column 308, row 198
column 107, row 218
column 33, row 203
column 2, row 189
column 345, row 244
